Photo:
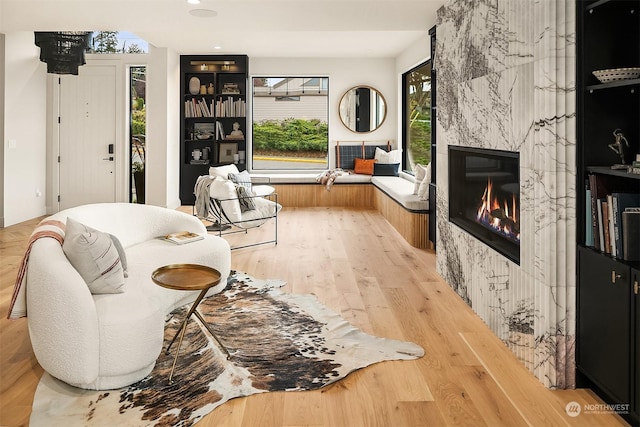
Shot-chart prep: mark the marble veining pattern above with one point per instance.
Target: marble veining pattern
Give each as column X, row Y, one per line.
column 506, row 81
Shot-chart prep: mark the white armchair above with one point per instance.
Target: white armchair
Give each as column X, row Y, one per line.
column 229, row 199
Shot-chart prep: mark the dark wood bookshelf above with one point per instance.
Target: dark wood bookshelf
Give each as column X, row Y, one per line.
column 218, row 71
column 608, row 300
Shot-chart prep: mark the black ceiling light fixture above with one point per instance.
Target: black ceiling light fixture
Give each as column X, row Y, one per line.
column 63, row 51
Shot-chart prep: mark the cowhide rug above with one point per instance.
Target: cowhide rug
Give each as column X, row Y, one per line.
column 277, row 341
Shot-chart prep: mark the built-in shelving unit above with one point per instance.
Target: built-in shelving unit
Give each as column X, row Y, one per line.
column 213, row 111
column 608, row 318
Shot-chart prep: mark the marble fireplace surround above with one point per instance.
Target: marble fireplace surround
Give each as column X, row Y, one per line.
column 506, row 80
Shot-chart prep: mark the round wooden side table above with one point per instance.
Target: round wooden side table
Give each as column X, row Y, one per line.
column 188, row 277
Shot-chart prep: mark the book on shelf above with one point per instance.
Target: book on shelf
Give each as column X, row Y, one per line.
column 605, row 244
column 230, row 107
column 182, row 237
column 194, row 108
column 220, row 131
column 621, row 201
column 600, row 231
column 631, row 234
column 598, row 190
column 608, row 197
column 611, row 243
column 230, row 88
column 634, row 167
column 588, row 232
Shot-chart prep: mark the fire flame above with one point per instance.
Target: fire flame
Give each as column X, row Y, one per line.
column 501, row 215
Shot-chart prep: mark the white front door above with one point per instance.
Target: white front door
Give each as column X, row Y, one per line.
column 87, row 134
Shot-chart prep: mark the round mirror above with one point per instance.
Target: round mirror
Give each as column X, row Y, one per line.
column 362, row 109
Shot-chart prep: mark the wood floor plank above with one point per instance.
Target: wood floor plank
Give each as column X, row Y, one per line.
column 356, row 264
column 495, row 409
column 536, row 407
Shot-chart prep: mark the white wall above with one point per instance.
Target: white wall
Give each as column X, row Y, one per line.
column 25, row 123
column 343, row 74
column 163, row 128
column 415, row 54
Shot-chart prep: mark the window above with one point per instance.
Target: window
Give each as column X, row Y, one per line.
column 137, row 131
column 117, row 42
column 290, row 123
column 416, row 116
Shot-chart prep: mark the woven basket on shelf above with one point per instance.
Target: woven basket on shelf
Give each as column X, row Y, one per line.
column 614, row 74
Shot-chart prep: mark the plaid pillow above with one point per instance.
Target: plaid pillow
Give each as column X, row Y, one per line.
column 245, row 198
column 241, row 179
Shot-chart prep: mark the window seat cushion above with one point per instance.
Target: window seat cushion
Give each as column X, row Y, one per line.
column 401, row 190
column 307, row 178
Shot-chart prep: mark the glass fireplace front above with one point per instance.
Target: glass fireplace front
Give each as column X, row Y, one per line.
column 484, row 196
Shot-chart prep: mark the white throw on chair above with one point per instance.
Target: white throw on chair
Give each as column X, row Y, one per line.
column 229, row 199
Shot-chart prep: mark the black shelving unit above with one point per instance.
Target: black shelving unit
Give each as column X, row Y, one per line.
column 607, row 343
column 208, row 111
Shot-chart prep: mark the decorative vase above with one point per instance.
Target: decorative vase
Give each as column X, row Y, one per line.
column 203, row 90
column 194, row 85
column 210, row 89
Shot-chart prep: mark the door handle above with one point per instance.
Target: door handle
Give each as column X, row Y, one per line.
column 614, row 276
column 110, row 158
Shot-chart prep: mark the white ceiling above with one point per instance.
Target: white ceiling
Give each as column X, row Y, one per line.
column 267, row 28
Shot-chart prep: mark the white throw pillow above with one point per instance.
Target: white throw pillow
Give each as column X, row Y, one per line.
column 383, row 157
column 225, row 191
column 223, row 171
column 423, row 189
column 419, row 173
column 95, row 256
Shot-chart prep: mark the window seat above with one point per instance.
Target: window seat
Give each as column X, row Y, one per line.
column 392, row 196
column 400, row 189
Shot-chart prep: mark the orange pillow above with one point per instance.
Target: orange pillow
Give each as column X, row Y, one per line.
column 364, row 166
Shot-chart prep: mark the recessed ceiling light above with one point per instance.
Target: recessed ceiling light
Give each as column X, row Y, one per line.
column 203, row 13
column 193, row 1
column 217, row 47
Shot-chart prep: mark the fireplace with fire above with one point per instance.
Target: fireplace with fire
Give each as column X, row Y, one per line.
column 484, row 196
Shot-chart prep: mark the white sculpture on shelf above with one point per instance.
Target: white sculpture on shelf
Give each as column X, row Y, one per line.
column 236, row 133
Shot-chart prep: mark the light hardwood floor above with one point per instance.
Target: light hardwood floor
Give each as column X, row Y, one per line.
column 358, row 265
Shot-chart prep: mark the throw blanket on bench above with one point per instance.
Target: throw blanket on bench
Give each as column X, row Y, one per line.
column 46, row 228
column 329, row 176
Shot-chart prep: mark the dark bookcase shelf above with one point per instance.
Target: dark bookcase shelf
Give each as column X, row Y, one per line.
column 604, row 170
column 608, row 304
column 620, row 83
column 209, row 113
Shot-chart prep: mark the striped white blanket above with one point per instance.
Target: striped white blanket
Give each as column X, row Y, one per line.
column 46, row 228
column 203, row 206
column 327, row 177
